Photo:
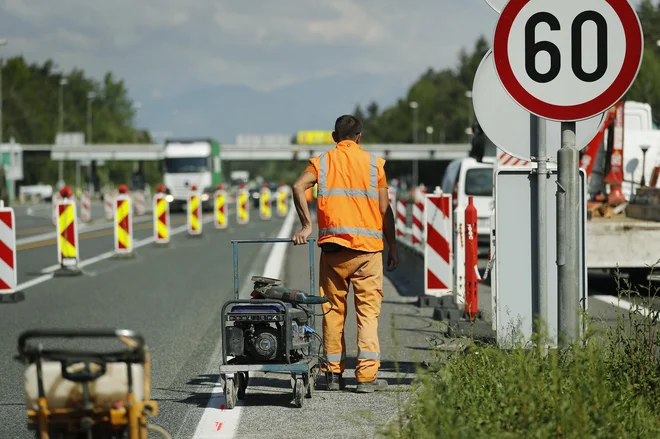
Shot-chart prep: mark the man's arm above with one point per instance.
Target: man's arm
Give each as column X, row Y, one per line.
column 304, row 182
column 388, row 217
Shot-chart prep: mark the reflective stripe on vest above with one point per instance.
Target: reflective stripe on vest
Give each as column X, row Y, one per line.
column 372, row 192
column 351, row 231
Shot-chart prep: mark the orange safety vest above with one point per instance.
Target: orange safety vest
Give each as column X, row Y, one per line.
column 348, row 205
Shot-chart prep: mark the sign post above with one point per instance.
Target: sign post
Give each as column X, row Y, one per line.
column 590, row 54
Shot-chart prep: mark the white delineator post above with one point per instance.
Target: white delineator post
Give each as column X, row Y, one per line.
column 438, row 273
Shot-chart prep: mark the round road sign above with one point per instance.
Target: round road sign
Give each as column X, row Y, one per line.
column 497, row 5
column 567, row 60
column 507, row 124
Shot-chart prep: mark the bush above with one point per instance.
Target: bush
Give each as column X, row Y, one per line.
column 606, row 385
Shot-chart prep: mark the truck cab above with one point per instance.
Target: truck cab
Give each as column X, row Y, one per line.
column 188, row 163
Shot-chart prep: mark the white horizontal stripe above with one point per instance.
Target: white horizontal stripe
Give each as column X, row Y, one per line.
column 7, row 235
column 7, row 274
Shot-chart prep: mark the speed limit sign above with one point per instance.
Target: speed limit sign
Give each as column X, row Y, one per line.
column 567, row 60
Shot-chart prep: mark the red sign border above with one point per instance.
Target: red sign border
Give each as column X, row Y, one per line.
column 624, row 80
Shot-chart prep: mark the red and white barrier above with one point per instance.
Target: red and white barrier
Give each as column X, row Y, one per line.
column 108, row 206
column 438, row 277
column 418, row 226
column 401, row 213
column 504, row 159
column 55, row 200
column 85, row 207
column 391, row 194
column 139, row 202
column 8, row 274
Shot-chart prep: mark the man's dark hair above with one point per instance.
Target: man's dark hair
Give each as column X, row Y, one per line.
column 347, row 127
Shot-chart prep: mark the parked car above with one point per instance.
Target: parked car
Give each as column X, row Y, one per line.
column 468, row 177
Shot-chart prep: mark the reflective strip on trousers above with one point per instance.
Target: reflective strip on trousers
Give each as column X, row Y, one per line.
column 368, row 193
column 370, row 233
column 366, row 355
column 335, row 357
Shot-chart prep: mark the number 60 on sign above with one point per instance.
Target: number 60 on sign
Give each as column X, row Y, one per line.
column 567, row 60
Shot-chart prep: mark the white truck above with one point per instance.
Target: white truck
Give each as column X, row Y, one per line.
column 191, row 162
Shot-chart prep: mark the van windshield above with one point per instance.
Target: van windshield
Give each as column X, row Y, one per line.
column 479, row 182
column 186, row 164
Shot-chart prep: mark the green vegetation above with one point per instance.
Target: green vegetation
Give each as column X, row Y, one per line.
column 607, row 385
column 31, row 115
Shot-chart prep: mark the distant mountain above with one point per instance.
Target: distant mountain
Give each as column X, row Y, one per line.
column 222, row 112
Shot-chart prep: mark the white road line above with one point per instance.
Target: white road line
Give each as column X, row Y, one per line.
column 103, row 256
column 216, row 423
column 621, row 303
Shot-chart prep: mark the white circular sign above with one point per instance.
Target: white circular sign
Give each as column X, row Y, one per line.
column 497, row 5
column 508, row 125
column 567, row 60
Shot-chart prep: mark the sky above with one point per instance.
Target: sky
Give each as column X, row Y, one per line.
column 184, row 59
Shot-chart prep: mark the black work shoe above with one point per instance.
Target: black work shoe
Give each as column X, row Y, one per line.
column 371, row 386
column 334, row 381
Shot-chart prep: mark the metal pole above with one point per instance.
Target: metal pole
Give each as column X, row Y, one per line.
column 568, row 235
column 60, row 166
column 541, row 290
column 415, row 170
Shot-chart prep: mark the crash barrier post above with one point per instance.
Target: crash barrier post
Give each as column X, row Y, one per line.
column 265, row 210
column 8, row 273
column 401, row 213
column 123, row 215
column 471, row 267
column 418, row 226
column 108, row 206
column 438, row 273
column 282, row 201
column 242, row 206
column 161, row 216
column 85, row 207
column 139, row 202
column 220, row 207
column 391, row 195
column 194, row 212
column 67, row 234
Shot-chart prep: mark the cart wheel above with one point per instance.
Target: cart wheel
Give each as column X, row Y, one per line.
column 230, row 393
column 241, row 384
column 299, row 392
column 310, row 382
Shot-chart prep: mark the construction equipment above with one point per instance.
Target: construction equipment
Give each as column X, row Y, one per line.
column 271, row 332
column 73, row 393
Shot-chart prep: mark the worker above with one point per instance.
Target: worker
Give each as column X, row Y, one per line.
column 353, row 215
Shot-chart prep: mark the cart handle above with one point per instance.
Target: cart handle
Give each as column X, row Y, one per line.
column 267, row 240
column 73, row 333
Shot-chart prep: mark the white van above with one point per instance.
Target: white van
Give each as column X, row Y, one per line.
column 468, row 177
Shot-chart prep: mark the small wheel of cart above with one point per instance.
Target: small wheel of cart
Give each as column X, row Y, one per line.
column 299, row 392
column 241, row 384
column 230, row 392
column 310, row 381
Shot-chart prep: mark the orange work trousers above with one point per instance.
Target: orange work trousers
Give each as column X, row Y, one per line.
column 337, row 271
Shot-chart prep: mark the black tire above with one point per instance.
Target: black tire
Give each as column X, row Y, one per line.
column 299, row 392
column 310, row 382
column 241, row 385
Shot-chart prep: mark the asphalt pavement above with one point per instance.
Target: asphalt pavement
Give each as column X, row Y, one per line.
column 171, row 295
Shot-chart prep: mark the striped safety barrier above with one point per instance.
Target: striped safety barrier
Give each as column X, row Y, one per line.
column 85, row 207
column 265, row 211
column 161, row 218
column 108, row 206
column 67, row 240
column 282, row 201
column 391, row 195
column 220, row 208
column 242, row 206
column 194, row 212
column 438, row 278
column 139, row 202
column 418, row 226
column 123, row 224
column 8, row 273
column 504, row 159
column 401, row 213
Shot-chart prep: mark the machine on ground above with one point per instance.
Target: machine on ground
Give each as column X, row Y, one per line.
column 88, row 393
column 191, row 162
column 271, row 332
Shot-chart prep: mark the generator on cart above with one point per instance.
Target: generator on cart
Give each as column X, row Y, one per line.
column 273, row 331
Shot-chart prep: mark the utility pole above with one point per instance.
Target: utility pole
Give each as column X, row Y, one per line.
column 415, row 171
column 63, row 82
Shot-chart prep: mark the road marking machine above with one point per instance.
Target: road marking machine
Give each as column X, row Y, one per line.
column 271, row 332
column 74, row 393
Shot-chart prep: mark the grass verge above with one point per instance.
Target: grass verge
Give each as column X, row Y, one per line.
column 605, row 385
